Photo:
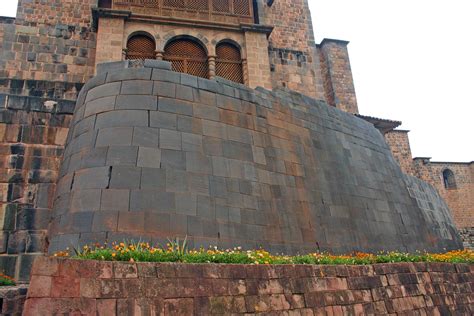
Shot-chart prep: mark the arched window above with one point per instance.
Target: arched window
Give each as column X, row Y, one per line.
column 187, row 56
column 448, row 179
column 140, row 47
column 229, row 62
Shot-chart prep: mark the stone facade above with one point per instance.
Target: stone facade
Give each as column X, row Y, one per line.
column 153, row 153
column 121, row 288
column 459, row 198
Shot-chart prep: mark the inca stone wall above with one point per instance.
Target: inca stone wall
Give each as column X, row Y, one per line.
column 46, row 55
column 153, row 153
column 61, row 286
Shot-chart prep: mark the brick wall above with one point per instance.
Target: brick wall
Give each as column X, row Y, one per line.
column 118, row 288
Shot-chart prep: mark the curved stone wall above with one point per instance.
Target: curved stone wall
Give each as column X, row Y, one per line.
column 153, row 154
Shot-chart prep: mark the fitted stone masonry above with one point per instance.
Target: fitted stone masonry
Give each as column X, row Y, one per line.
column 153, row 154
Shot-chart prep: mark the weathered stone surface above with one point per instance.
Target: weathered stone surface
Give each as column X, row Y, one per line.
column 272, row 169
column 205, row 289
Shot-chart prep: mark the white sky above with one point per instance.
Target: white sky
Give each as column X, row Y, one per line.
column 412, row 61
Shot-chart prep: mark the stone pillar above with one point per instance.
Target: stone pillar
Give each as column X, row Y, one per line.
column 110, row 40
column 159, row 55
column 337, row 75
column 212, row 66
column 258, row 64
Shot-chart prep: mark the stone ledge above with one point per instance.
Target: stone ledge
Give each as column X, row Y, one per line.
column 76, row 286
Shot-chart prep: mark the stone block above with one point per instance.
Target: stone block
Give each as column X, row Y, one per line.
column 164, row 89
column 131, row 221
column 105, row 221
column 129, row 74
column 210, row 85
column 115, row 200
column 122, row 155
column 111, row 66
column 163, row 120
column 95, row 157
column 189, row 80
column 105, row 90
column 125, row 177
column 173, row 159
column 99, row 106
column 198, row 163
column 114, row 136
column 157, row 64
column 175, row 106
column 149, row 157
column 92, row 178
column 207, row 112
column 153, row 178
column 85, row 200
column 152, row 201
column 192, row 142
column 205, row 97
column 137, row 87
column 184, row 93
column 84, row 125
column 170, row 139
column 136, row 102
column 122, row 118
column 157, row 222
column 24, row 266
column 165, row 75
column 186, row 203
column 189, row 124
column 146, row 137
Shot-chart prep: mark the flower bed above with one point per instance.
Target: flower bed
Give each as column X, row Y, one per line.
column 177, row 252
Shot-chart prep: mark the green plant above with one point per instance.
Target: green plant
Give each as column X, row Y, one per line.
column 5, row 280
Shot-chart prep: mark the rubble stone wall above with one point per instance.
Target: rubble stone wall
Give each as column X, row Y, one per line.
column 119, row 288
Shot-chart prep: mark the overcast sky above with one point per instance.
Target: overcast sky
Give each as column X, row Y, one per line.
column 412, row 61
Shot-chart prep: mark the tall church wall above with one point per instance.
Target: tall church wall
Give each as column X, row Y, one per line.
column 461, row 198
column 46, row 55
column 294, row 59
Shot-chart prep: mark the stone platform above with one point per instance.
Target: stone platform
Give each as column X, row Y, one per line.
column 120, row 288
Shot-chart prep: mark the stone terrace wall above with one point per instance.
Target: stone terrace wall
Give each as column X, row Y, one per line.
column 89, row 287
column 12, row 299
column 46, row 55
column 153, row 153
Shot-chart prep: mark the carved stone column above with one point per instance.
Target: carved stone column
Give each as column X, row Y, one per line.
column 212, row 66
column 159, row 55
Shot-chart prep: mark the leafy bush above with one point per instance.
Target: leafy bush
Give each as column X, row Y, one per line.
column 176, row 251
